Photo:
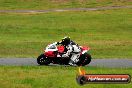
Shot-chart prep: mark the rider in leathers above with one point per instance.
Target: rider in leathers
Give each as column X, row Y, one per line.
column 71, row 49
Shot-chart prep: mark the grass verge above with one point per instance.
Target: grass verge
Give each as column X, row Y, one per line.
column 53, row 77
column 107, row 32
column 54, row 4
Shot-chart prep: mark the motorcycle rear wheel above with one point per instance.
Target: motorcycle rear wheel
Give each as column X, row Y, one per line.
column 84, row 60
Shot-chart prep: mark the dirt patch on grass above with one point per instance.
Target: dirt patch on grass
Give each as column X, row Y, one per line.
column 60, row 1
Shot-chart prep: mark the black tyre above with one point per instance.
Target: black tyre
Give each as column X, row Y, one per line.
column 87, row 58
column 84, row 59
column 81, row 80
column 43, row 60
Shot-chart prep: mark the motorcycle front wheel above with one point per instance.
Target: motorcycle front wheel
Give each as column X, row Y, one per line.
column 42, row 60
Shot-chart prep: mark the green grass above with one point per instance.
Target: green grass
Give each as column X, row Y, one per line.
column 52, row 4
column 107, row 32
column 53, row 77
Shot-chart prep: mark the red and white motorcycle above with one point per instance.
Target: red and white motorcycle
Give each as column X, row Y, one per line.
column 54, row 54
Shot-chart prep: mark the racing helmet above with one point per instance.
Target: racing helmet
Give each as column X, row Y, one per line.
column 66, row 40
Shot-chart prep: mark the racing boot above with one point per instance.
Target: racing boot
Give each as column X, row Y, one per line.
column 71, row 63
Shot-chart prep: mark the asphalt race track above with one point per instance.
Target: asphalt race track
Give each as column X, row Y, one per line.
column 112, row 63
column 63, row 10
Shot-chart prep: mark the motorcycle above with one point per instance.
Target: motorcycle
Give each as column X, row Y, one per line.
column 54, row 54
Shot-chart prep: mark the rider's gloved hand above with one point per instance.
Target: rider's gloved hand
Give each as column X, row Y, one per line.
column 59, row 42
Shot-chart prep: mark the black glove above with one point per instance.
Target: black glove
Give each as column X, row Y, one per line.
column 58, row 43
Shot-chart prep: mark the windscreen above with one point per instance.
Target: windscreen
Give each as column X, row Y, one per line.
column 51, row 47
